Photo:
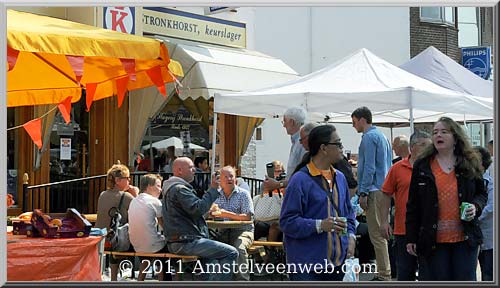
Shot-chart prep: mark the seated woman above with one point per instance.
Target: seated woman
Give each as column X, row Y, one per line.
column 118, row 180
column 145, row 212
column 270, row 229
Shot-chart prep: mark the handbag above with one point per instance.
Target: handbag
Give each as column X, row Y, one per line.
column 267, row 208
column 118, row 234
column 351, row 268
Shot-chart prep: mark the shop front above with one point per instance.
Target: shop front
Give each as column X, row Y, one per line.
column 214, row 60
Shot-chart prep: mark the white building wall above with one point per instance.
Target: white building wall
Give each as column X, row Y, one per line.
column 310, row 38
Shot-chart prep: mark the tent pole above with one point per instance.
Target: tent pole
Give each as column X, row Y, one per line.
column 214, row 142
column 151, row 159
column 411, row 120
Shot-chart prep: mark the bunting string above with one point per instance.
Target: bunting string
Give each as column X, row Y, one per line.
column 20, row 126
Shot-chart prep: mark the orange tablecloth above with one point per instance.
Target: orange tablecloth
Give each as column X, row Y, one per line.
column 40, row 259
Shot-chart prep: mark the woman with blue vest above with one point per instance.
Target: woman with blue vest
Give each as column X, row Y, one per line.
column 317, row 218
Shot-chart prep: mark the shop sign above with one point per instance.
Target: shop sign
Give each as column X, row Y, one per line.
column 120, row 19
column 217, row 9
column 180, row 120
column 194, row 27
column 477, row 60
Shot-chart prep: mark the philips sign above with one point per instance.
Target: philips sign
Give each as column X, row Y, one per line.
column 477, row 60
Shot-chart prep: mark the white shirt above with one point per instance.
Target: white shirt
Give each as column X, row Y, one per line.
column 143, row 224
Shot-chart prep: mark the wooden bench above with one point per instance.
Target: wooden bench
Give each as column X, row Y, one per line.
column 268, row 243
column 152, row 255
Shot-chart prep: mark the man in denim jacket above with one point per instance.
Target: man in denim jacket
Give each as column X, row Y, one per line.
column 184, row 224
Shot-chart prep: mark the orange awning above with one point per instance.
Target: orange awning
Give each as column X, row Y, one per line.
column 41, row 72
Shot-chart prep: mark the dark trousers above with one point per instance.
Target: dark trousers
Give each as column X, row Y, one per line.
column 486, row 262
column 451, row 262
column 406, row 263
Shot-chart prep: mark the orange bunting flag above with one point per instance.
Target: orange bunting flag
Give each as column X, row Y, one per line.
column 89, row 94
column 34, row 129
column 12, row 57
column 129, row 66
column 121, row 88
column 65, row 109
column 76, row 63
column 155, row 76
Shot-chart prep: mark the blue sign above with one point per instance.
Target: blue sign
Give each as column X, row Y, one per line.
column 477, row 60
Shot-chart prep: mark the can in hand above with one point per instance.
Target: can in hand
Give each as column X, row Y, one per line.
column 463, row 207
column 344, row 220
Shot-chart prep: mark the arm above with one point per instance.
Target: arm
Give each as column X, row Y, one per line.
column 388, row 190
column 412, row 210
column 488, row 209
column 234, row 216
column 480, row 197
column 292, row 220
column 369, row 153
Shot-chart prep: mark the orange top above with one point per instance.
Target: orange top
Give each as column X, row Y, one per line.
column 450, row 229
column 397, row 185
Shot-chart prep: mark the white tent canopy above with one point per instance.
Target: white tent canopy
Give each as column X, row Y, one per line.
column 435, row 66
column 361, row 79
column 173, row 141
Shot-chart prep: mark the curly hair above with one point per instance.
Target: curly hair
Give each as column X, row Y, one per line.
column 116, row 171
column 468, row 160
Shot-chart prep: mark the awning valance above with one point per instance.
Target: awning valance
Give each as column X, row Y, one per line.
column 210, row 69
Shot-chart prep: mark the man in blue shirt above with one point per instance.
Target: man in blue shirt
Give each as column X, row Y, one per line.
column 374, row 161
column 235, row 203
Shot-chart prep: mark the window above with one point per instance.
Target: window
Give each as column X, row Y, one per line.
column 258, row 133
column 469, row 27
column 445, row 15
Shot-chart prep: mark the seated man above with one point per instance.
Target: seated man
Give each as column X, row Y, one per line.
column 235, row 203
column 145, row 216
column 184, row 224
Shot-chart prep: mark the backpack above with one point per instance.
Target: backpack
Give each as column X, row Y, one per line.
column 118, row 234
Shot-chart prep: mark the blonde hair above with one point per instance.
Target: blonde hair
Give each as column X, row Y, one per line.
column 116, row 171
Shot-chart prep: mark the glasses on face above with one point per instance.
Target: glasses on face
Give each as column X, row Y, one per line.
column 338, row 144
column 128, row 178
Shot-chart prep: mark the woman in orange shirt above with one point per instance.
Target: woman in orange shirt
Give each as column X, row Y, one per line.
column 446, row 175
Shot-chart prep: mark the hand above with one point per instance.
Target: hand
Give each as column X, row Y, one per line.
column 351, row 248
column 363, row 202
column 470, row 212
column 132, row 190
column 271, row 184
column 386, row 230
column 214, row 207
column 215, row 181
column 327, row 224
column 339, row 225
column 411, row 248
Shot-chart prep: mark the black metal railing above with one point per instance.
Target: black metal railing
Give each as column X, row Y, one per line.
column 83, row 193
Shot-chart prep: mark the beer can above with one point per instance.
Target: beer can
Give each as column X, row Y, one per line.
column 344, row 220
column 463, row 207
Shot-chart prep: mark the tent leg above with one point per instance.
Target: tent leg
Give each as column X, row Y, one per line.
column 214, row 142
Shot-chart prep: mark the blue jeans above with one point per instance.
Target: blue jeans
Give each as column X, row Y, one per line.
column 451, row 262
column 210, row 252
column 486, row 262
column 337, row 275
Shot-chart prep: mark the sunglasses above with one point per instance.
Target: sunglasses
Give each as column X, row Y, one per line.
column 338, row 144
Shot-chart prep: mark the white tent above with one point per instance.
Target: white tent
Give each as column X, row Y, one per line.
column 361, row 79
column 435, row 66
column 173, row 141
